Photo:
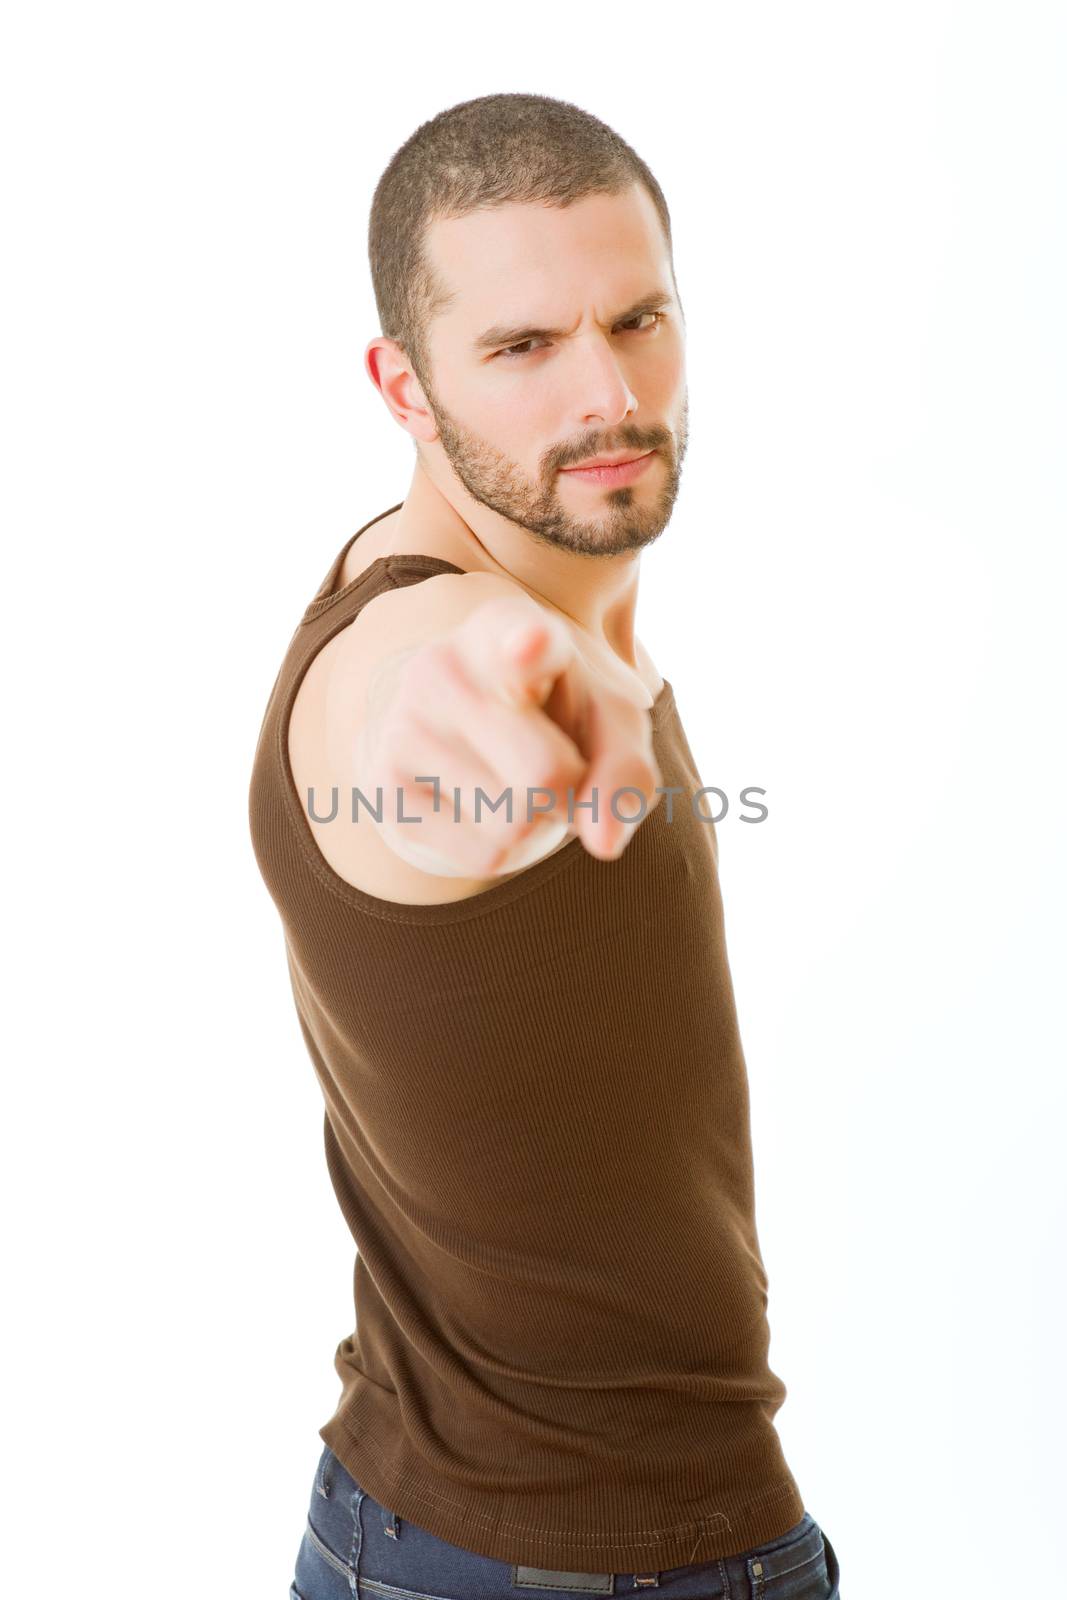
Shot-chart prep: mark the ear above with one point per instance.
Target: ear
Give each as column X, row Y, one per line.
column 391, row 373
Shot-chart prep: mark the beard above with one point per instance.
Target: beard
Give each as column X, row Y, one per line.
column 627, row 518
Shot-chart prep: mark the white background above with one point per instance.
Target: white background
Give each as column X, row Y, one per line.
column 859, row 602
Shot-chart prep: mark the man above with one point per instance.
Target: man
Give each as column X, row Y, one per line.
column 471, row 805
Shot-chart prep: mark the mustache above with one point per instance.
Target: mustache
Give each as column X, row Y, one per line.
column 598, row 447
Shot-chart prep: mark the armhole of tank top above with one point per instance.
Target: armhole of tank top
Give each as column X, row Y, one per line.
column 385, row 573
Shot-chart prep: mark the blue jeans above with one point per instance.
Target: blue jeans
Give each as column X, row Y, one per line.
column 347, row 1553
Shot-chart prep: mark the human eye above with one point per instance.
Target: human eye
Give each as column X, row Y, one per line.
column 515, row 352
column 519, row 352
column 658, row 315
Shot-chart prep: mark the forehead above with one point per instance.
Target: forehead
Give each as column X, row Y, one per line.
column 525, row 259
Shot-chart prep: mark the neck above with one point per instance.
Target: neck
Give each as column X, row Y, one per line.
column 598, row 593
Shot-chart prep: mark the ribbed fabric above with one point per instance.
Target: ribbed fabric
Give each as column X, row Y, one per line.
column 537, row 1128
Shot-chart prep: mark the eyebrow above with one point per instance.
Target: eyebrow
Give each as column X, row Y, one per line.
column 503, row 335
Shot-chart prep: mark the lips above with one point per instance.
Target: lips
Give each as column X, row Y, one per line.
column 617, row 473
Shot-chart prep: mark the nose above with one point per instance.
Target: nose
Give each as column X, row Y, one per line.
column 604, row 398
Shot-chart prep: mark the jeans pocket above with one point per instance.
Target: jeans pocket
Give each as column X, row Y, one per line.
column 324, row 1561
column 833, row 1569
column 793, row 1567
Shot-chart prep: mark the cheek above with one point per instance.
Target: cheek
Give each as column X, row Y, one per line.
column 668, row 375
column 530, row 409
column 523, row 421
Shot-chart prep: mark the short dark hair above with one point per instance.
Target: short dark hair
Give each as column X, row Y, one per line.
column 482, row 153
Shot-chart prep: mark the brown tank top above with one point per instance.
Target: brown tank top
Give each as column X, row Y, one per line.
column 537, row 1127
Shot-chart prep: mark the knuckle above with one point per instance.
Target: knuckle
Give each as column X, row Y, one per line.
column 427, row 667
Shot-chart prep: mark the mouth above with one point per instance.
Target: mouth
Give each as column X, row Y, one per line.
column 621, row 472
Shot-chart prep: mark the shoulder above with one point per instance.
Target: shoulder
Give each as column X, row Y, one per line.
column 408, row 612
column 419, row 604
column 330, row 708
